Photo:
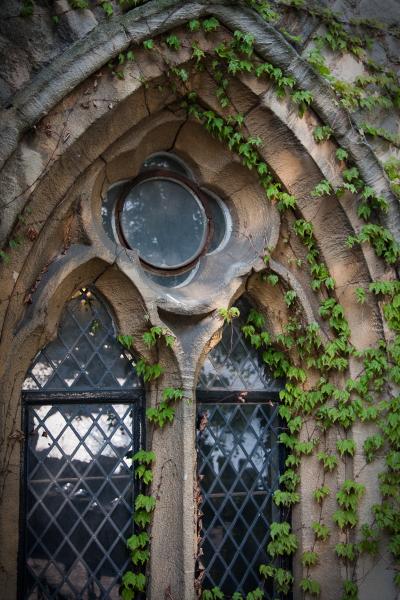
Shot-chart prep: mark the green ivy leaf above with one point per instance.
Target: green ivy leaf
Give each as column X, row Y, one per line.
column 173, row 42
column 256, row 594
column 350, row 590
column 272, row 279
column 290, row 297
column 321, row 531
column 140, row 557
column 346, row 447
column 360, row 295
column 228, row 314
column 210, row 25
column 194, row 25
column 347, row 552
column 283, row 542
column 108, row 9
column 371, row 446
column 322, row 133
column 125, row 340
column 144, row 457
column 309, row 559
column 323, row 188
column 148, row 44
column 148, row 503
column 329, row 461
column 345, row 519
column 146, row 475
column 310, row 586
column 342, row 154
column 286, row 499
column 171, row 393
column 139, row 540
column 321, row 493
column 303, row 99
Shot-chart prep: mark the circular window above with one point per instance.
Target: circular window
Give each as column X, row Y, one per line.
column 167, row 218
column 165, row 222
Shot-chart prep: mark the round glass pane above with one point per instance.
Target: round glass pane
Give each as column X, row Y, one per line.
column 163, row 160
column 165, row 222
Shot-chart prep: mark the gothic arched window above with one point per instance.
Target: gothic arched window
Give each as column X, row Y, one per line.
column 82, row 404
column 239, row 460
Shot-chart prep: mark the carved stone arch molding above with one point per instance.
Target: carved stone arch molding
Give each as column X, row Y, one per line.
column 103, row 130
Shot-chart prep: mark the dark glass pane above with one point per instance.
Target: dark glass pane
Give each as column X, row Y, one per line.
column 86, row 354
column 234, row 365
column 239, row 461
column 239, row 472
column 79, row 497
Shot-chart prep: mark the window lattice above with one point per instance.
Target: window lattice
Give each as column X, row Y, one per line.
column 234, row 365
column 82, row 420
column 239, row 462
column 79, row 497
column 85, row 355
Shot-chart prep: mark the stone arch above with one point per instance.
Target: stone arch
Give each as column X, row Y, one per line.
column 62, row 198
column 307, row 174
column 35, row 331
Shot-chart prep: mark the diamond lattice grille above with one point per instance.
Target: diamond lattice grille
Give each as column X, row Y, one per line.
column 79, row 497
column 239, row 461
column 85, row 355
column 239, row 465
column 233, row 365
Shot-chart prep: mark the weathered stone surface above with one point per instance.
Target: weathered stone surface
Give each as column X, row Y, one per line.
column 92, row 129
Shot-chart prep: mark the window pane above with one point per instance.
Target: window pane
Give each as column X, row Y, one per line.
column 79, row 497
column 165, row 160
column 235, row 365
column 239, row 461
column 239, row 467
column 85, row 355
column 165, row 222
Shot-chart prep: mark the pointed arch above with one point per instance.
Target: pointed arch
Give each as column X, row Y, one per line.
column 82, row 414
column 233, row 365
column 239, row 460
column 85, row 355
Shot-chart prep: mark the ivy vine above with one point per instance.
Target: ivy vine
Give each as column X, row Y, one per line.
column 300, row 348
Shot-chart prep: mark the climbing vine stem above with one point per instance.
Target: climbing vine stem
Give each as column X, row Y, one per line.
column 312, row 357
column 309, row 411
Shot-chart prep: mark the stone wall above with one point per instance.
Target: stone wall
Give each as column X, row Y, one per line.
column 70, row 128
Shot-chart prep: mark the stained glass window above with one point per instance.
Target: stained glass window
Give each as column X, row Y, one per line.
column 82, row 418
column 239, row 462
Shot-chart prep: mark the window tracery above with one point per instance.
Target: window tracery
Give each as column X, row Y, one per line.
column 167, row 218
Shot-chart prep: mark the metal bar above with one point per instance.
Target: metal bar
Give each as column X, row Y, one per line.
column 236, row 397
column 234, row 494
column 90, row 397
column 72, row 479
